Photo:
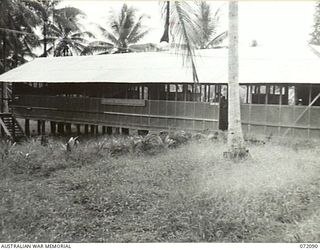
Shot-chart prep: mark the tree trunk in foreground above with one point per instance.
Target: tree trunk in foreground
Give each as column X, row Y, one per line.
column 235, row 135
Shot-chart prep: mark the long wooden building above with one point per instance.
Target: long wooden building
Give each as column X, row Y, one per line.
column 154, row 91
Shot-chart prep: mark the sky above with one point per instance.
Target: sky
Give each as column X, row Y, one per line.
column 271, row 23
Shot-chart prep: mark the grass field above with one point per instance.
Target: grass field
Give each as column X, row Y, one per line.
column 185, row 194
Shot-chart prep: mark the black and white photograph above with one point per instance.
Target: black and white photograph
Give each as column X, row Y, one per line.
column 159, row 122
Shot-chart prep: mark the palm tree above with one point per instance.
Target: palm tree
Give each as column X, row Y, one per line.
column 66, row 41
column 236, row 146
column 17, row 23
column 65, row 35
column 124, row 29
column 45, row 10
column 60, row 27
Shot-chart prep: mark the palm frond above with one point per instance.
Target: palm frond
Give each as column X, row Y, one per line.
column 97, row 47
column 138, row 37
column 84, row 34
column 135, row 32
column 67, row 18
column 53, row 30
column 78, row 39
column 217, row 39
column 110, row 36
column 185, row 30
column 38, row 7
column 48, row 40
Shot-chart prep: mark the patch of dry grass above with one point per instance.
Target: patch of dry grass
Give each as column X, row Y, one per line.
column 187, row 194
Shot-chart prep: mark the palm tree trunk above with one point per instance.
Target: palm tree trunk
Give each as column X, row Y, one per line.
column 4, row 48
column 5, row 106
column 235, row 135
column 45, row 38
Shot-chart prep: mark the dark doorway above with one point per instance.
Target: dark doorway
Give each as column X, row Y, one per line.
column 223, row 113
column 306, row 94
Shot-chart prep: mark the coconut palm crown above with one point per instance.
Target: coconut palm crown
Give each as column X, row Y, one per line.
column 124, row 29
column 66, row 36
column 17, row 36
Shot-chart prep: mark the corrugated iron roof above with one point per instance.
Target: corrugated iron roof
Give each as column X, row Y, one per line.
column 257, row 65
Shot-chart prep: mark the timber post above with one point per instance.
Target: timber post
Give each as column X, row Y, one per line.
column 109, row 130
column 39, row 127
column 68, row 128
column 53, row 128
column 86, row 129
column 78, row 129
column 60, row 128
column 92, row 129
column 43, row 127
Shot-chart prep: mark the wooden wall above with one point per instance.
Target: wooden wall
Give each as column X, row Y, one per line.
column 270, row 120
column 274, row 120
column 148, row 114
